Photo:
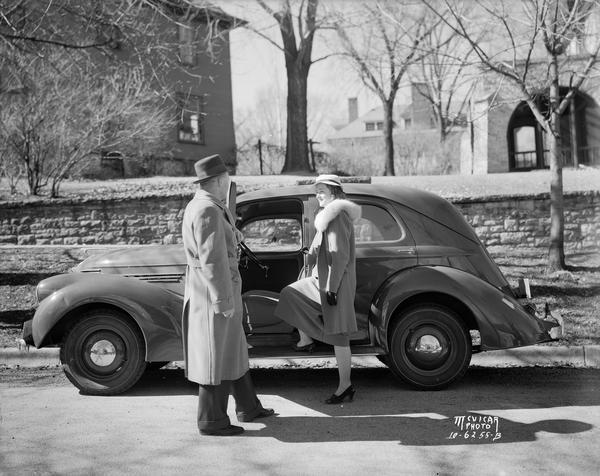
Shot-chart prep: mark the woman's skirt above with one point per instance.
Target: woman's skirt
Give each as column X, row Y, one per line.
column 300, row 306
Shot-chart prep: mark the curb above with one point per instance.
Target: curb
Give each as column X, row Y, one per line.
column 586, row 356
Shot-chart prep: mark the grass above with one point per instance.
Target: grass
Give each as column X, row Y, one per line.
column 449, row 186
column 575, row 293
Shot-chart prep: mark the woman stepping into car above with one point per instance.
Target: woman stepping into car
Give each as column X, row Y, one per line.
column 321, row 306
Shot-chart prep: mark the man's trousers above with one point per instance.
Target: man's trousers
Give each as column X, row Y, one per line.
column 212, row 402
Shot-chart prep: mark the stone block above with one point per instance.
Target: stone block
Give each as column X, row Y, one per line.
column 26, row 240
column 169, row 239
column 513, row 238
column 8, row 239
column 72, row 240
column 174, row 226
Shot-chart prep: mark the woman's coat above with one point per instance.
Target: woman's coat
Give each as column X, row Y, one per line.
column 334, row 248
column 215, row 346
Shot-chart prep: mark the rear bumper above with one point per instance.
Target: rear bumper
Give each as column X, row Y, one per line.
column 552, row 323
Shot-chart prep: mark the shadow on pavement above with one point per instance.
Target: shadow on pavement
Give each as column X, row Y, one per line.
column 412, row 431
column 385, row 409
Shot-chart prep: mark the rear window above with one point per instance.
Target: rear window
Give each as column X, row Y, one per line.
column 377, row 225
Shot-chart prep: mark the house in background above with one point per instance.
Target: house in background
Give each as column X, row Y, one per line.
column 506, row 136
column 416, row 139
column 199, row 91
column 360, row 130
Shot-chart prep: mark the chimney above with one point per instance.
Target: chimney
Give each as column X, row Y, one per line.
column 352, row 109
column 420, row 108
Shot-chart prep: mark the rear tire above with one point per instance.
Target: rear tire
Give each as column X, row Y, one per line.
column 430, row 347
column 103, row 353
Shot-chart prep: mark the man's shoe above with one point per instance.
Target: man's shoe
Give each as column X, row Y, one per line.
column 265, row 412
column 230, row 430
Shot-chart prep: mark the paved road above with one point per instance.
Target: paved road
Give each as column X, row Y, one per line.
column 541, row 420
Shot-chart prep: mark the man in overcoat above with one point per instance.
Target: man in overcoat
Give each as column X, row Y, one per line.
column 215, row 348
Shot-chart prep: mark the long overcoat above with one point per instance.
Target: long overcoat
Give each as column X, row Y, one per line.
column 335, row 251
column 215, row 346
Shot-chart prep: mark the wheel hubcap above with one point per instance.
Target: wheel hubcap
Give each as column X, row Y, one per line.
column 103, row 353
column 428, row 344
column 427, row 348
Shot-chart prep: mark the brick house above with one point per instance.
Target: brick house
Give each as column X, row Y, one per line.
column 199, row 91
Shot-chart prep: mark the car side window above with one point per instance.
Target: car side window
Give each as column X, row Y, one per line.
column 377, row 224
column 273, row 234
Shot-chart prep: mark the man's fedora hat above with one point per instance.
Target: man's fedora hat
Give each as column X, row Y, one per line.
column 208, row 167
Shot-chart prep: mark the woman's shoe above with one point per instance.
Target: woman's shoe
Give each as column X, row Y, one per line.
column 349, row 392
column 304, row 348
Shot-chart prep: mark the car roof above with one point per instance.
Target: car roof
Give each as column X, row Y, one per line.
column 421, row 201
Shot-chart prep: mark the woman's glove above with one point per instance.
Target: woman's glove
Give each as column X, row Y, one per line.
column 331, row 298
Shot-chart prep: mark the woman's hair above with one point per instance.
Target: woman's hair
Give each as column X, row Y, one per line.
column 337, row 192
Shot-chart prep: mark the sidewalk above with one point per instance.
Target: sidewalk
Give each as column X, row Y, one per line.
column 586, row 356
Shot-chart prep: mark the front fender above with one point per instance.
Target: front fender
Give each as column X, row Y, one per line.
column 501, row 320
column 156, row 310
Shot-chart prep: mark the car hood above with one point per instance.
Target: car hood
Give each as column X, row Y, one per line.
column 141, row 256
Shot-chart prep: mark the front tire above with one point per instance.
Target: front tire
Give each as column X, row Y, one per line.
column 430, row 347
column 103, row 353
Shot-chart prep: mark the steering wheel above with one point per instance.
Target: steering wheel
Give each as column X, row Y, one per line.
column 252, row 257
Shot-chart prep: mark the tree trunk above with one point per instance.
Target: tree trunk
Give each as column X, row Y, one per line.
column 556, row 252
column 388, row 137
column 296, row 154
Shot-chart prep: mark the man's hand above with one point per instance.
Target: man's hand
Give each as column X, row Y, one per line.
column 331, row 298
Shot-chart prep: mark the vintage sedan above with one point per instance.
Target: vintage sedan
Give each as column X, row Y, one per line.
column 428, row 293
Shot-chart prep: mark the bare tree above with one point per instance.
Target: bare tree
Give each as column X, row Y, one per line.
column 100, row 77
column 67, row 115
column 382, row 40
column 11, row 169
column 298, row 28
column 266, row 120
column 534, row 57
column 443, row 78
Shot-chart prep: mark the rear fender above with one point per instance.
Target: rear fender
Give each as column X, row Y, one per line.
column 156, row 311
column 500, row 319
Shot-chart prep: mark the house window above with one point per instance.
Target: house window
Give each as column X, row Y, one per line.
column 187, row 54
column 374, row 126
column 191, row 119
column 525, row 155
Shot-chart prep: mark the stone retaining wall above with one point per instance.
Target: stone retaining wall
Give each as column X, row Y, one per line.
column 152, row 219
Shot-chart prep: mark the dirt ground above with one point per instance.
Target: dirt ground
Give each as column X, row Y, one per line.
column 574, row 293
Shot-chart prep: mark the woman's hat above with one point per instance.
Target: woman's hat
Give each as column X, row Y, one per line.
column 208, row 167
column 329, row 179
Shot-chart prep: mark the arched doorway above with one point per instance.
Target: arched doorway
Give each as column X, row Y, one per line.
column 527, row 148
